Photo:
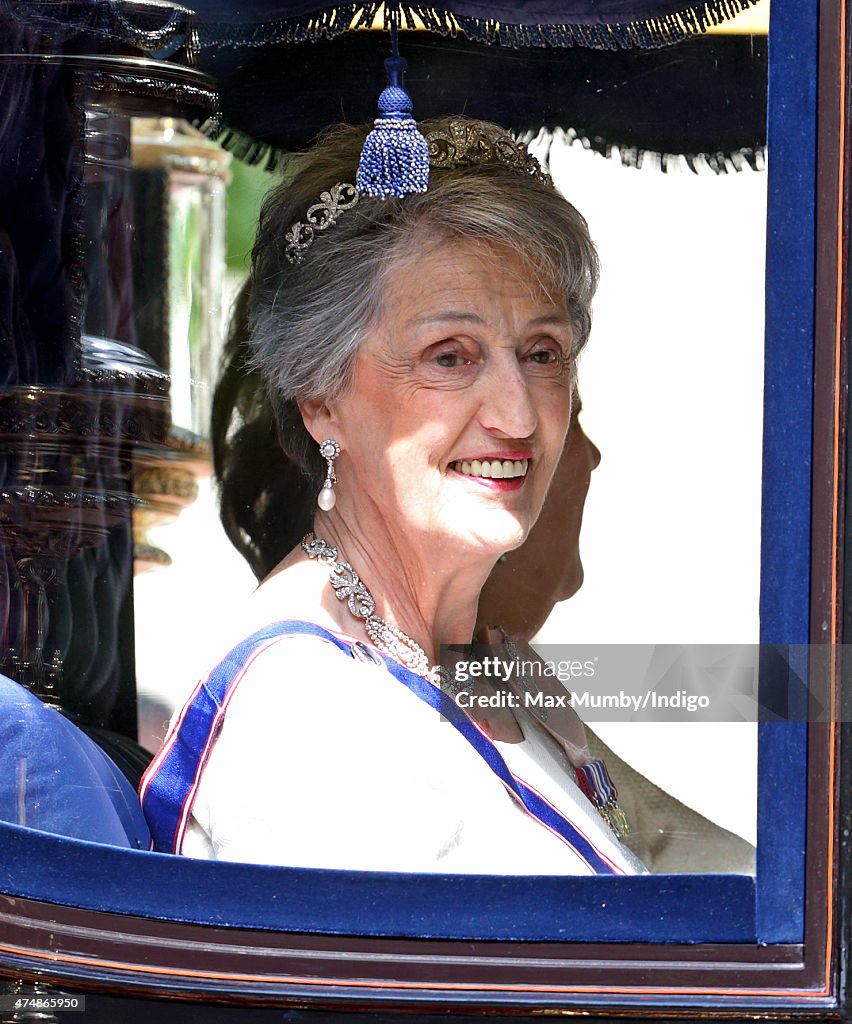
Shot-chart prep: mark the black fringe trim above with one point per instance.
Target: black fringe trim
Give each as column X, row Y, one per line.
column 245, row 148
column 251, row 151
column 647, row 34
column 718, row 161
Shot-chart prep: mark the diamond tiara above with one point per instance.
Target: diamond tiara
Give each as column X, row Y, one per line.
column 469, row 143
column 460, row 144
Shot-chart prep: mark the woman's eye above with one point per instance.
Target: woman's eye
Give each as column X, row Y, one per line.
column 449, row 360
column 451, row 357
column 549, row 357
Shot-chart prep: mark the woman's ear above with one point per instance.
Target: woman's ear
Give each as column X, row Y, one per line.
column 320, row 419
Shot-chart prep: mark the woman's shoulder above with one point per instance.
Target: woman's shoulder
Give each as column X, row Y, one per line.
column 290, row 637
column 289, row 651
column 270, row 661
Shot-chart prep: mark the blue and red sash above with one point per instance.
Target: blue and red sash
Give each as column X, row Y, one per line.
column 169, row 786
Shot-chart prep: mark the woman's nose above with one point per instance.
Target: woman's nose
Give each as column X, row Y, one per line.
column 508, row 407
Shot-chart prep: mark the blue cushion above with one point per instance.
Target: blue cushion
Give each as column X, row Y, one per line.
column 55, row 779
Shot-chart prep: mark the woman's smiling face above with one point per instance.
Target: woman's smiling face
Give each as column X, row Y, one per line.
column 460, row 401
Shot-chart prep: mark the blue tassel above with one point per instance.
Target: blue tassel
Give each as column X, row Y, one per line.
column 395, row 157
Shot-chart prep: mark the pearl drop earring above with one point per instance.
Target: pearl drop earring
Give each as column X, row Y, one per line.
column 327, row 499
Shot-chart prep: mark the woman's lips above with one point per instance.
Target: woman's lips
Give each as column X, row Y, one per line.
column 496, row 474
column 493, row 469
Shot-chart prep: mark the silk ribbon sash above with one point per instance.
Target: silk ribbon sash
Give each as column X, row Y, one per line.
column 168, row 788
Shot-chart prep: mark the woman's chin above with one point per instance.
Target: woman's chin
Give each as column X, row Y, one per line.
column 470, row 535
column 497, row 542
column 572, row 581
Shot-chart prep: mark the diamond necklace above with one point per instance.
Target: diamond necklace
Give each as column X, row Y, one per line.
column 348, row 587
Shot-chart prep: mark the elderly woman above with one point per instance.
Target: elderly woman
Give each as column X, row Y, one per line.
column 419, row 356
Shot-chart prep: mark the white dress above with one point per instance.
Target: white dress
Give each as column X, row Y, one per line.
column 326, row 761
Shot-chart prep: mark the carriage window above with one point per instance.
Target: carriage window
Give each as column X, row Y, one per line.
column 671, row 385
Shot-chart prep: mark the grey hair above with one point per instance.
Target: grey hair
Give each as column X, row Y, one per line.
column 307, row 321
